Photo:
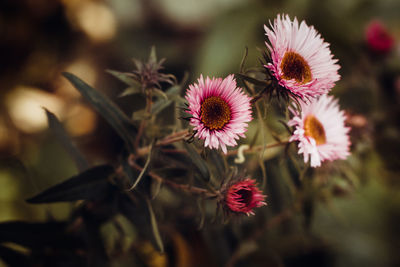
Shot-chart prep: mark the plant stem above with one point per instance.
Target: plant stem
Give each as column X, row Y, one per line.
column 172, row 138
column 182, row 187
column 142, row 126
column 257, row 148
column 260, row 94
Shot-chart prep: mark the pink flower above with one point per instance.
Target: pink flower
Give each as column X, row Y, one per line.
column 243, row 196
column 301, row 61
column 320, row 130
column 378, row 38
column 220, row 111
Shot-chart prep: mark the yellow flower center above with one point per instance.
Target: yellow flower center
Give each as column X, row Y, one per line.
column 313, row 128
column 295, row 67
column 215, row 113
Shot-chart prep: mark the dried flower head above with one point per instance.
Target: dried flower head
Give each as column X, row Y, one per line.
column 301, row 61
column 242, row 196
column 220, row 111
column 148, row 73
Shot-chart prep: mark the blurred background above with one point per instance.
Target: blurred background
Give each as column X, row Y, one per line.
column 357, row 225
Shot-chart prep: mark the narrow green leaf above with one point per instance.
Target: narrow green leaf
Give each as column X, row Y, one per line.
column 146, row 166
column 135, row 208
column 125, row 77
column 155, row 188
column 65, row 141
column 91, row 184
column 246, row 52
column 218, row 161
column 161, row 104
column 128, row 170
column 140, row 115
column 130, row 91
column 12, row 257
column 202, row 209
column 110, row 112
column 251, row 80
column 160, row 94
column 198, row 161
column 153, row 55
column 154, row 226
column 286, row 126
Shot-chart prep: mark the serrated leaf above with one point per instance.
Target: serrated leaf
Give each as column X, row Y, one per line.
column 198, row 161
column 62, row 136
column 251, row 80
column 125, row 77
column 91, row 184
column 107, row 109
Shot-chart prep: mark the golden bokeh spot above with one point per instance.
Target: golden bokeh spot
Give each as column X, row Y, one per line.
column 295, row 67
column 215, row 113
column 313, row 128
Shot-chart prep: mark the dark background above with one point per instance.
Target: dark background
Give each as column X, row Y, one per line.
column 357, row 225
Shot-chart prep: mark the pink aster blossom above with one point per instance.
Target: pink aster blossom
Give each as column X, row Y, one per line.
column 243, row 196
column 301, row 61
column 378, row 38
column 320, row 130
column 220, row 111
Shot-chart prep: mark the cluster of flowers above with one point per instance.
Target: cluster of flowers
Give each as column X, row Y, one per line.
column 302, row 64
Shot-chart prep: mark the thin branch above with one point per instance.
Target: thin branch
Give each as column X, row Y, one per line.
column 182, row 187
column 257, row 148
column 142, row 126
column 170, row 139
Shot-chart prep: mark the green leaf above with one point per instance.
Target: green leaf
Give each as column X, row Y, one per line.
column 137, row 209
column 251, row 80
column 107, row 109
column 125, row 77
column 153, row 55
column 12, row 257
column 140, row 115
column 172, row 93
column 160, row 94
column 246, row 52
column 91, row 184
column 154, row 226
column 146, row 166
column 65, row 141
column 130, row 91
column 198, row 161
column 218, row 162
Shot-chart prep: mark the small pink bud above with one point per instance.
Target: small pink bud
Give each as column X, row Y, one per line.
column 243, row 196
column 378, row 38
